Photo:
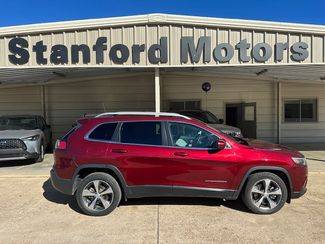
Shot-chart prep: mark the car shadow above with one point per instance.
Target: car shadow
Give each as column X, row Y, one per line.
column 53, row 195
column 237, row 205
column 16, row 163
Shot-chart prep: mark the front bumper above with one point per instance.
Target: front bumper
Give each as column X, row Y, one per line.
column 25, row 150
column 65, row 186
column 297, row 194
column 16, row 154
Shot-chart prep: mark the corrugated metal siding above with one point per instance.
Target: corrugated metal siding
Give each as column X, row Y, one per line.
column 227, row 91
column 17, row 101
column 150, row 34
column 70, row 101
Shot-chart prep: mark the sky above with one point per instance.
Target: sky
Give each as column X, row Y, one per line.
column 20, row 12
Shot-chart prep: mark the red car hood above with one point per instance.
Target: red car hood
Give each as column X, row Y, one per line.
column 258, row 144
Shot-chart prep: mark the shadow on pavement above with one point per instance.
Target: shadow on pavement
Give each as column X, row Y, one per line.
column 237, row 205
column 16, row 163
column 53, row 195
column 316, row 159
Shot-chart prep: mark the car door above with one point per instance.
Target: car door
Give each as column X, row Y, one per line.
column 193, row 163
column 141, row 154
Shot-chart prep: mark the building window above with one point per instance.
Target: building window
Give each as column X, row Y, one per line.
column 185, row 105
column 300, row 110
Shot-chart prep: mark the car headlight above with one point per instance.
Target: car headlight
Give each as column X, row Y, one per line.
column 300, row 161
column 32, row 138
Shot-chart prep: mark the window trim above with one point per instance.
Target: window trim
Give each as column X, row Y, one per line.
column 114, row 137
column 316, row 120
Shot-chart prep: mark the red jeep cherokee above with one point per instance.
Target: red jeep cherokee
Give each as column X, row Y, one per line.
column 133, row 155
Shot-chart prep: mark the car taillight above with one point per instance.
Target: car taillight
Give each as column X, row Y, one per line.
column 61, row 145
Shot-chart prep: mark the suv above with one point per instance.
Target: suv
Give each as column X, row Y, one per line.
column 24, row 137
column 210, row 119
column 134, row 155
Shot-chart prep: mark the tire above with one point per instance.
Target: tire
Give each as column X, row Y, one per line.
column 98, row 202
column 257, row 200
column 41, row 154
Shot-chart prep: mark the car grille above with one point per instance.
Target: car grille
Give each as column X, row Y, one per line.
column 12, row 144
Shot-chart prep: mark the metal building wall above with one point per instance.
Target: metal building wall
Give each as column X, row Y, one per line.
column 150, row 34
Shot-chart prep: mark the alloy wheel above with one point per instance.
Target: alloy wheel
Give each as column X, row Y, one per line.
column 97, row 195
column 266, row 194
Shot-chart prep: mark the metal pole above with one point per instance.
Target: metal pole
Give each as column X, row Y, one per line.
column 157, row 90
column 279, row 93
column 43, row 102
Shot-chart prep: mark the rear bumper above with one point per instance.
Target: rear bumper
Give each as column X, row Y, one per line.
column 64, row 186
column 299, row 193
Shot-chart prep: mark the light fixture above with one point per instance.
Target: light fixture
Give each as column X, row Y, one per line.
column 263, row 71
column 59, row 74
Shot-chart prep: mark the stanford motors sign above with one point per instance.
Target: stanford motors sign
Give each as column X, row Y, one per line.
column 191, row 52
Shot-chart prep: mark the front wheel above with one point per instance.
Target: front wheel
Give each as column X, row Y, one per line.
column 98, row 194
column 265, row 193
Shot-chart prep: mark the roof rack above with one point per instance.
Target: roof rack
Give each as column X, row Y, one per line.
column 143, row 113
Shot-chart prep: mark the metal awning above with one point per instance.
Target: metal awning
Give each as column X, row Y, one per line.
column 293, row 73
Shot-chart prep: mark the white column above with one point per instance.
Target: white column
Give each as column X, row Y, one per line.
column 279, row 110
column 157, row 90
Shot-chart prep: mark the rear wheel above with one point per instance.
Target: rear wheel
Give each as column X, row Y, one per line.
column 265, row 193
column 98, row 194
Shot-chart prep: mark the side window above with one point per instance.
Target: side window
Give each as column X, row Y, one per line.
column 103, row 132
column 147, row 133
column 185, row 135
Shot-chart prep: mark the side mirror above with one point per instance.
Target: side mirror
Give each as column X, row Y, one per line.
column 219, row 144
column 221, row 121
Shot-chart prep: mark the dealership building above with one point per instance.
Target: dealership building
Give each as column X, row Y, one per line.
column 266, row 78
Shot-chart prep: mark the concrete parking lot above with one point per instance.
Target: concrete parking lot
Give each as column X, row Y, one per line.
column 33, row 212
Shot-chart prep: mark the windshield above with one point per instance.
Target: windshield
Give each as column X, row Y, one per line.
column 18, row 123
column 204, row 116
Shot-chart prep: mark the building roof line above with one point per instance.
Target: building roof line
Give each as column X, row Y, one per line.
column 162, row 19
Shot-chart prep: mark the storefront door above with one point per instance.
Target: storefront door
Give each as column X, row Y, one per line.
column 243, row 116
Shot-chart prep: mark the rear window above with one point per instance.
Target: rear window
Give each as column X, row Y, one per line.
column 103, row 132
column 146, row 133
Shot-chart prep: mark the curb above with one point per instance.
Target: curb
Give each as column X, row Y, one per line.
column 24, row 176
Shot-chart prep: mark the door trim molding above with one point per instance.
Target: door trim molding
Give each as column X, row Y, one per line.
column 178, row 191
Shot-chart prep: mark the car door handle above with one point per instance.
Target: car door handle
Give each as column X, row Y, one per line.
column 119, row 150
column 181, row 154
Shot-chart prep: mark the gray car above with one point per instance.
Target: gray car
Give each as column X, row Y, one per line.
column 24, row 137
column 210, row 119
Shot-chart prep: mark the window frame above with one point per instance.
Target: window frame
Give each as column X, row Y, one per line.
column 114, row 137
column 315, row 120
column 170, row 139
column 163, row 133
column 184, row 104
